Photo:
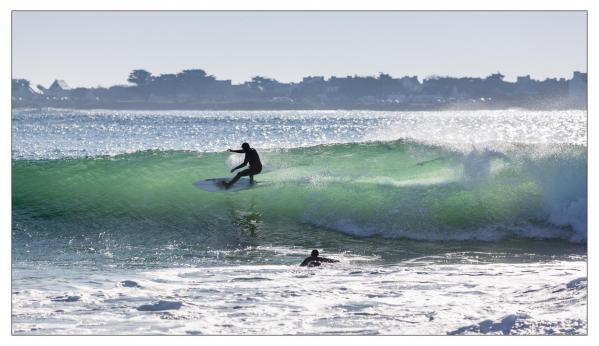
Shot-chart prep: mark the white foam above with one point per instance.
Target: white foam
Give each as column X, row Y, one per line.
column 352, row 297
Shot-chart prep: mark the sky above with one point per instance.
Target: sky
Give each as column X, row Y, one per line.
column 101, row 48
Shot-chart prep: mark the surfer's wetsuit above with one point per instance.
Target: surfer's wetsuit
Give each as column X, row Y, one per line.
column 314, row 261
column 251, row 157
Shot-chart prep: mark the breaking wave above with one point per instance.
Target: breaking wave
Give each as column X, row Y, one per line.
column 393, row 189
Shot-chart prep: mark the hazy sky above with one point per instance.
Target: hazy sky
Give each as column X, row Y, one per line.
column 101, row 48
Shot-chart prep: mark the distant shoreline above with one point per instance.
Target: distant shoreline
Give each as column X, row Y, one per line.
column 196, row 90
column 229, row 107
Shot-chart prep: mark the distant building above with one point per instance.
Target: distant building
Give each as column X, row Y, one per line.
column 525, row 85
column 577, row 86
column 310, row 79
column 58, row 89
column 84, row 96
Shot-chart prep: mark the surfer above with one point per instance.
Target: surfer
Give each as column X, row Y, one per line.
column 251, row 157
column 314, row 260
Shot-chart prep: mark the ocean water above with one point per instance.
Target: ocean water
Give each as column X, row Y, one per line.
column 451, row 222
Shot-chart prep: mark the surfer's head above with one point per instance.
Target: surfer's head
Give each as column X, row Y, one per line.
column 245, row 147
column 314, row 253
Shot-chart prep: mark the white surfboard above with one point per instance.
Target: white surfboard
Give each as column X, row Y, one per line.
column 216, row 185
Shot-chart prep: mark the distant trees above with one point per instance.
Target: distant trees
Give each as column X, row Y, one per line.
column 197, row 84
column 165, row 85
column 194, row 82
column 21, row 90
column 195, row 88
column 141, row 78
column 189, row 82
column 267, row 87
column 18, row 84
column 261, row 83
column 310, row 88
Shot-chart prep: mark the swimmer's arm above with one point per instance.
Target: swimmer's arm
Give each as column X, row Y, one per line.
column 328, row 260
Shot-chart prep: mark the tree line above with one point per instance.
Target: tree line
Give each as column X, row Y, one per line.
column 194, row 88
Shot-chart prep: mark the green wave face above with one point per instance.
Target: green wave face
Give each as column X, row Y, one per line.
column 390, row 189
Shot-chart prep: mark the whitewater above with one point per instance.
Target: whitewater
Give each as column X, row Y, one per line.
column 445, row 222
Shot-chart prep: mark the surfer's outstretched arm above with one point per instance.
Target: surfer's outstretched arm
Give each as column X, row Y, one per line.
column 317, row 259
column 240, row 151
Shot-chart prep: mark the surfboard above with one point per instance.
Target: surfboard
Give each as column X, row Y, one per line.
column 215, row 185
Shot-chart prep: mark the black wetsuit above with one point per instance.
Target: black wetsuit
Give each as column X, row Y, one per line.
column 251, row 157
column 315, row 261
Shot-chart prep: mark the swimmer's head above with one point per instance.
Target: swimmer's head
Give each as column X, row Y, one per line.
column 314, row 253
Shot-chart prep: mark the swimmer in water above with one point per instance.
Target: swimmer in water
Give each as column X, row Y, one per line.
column 314, row 260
